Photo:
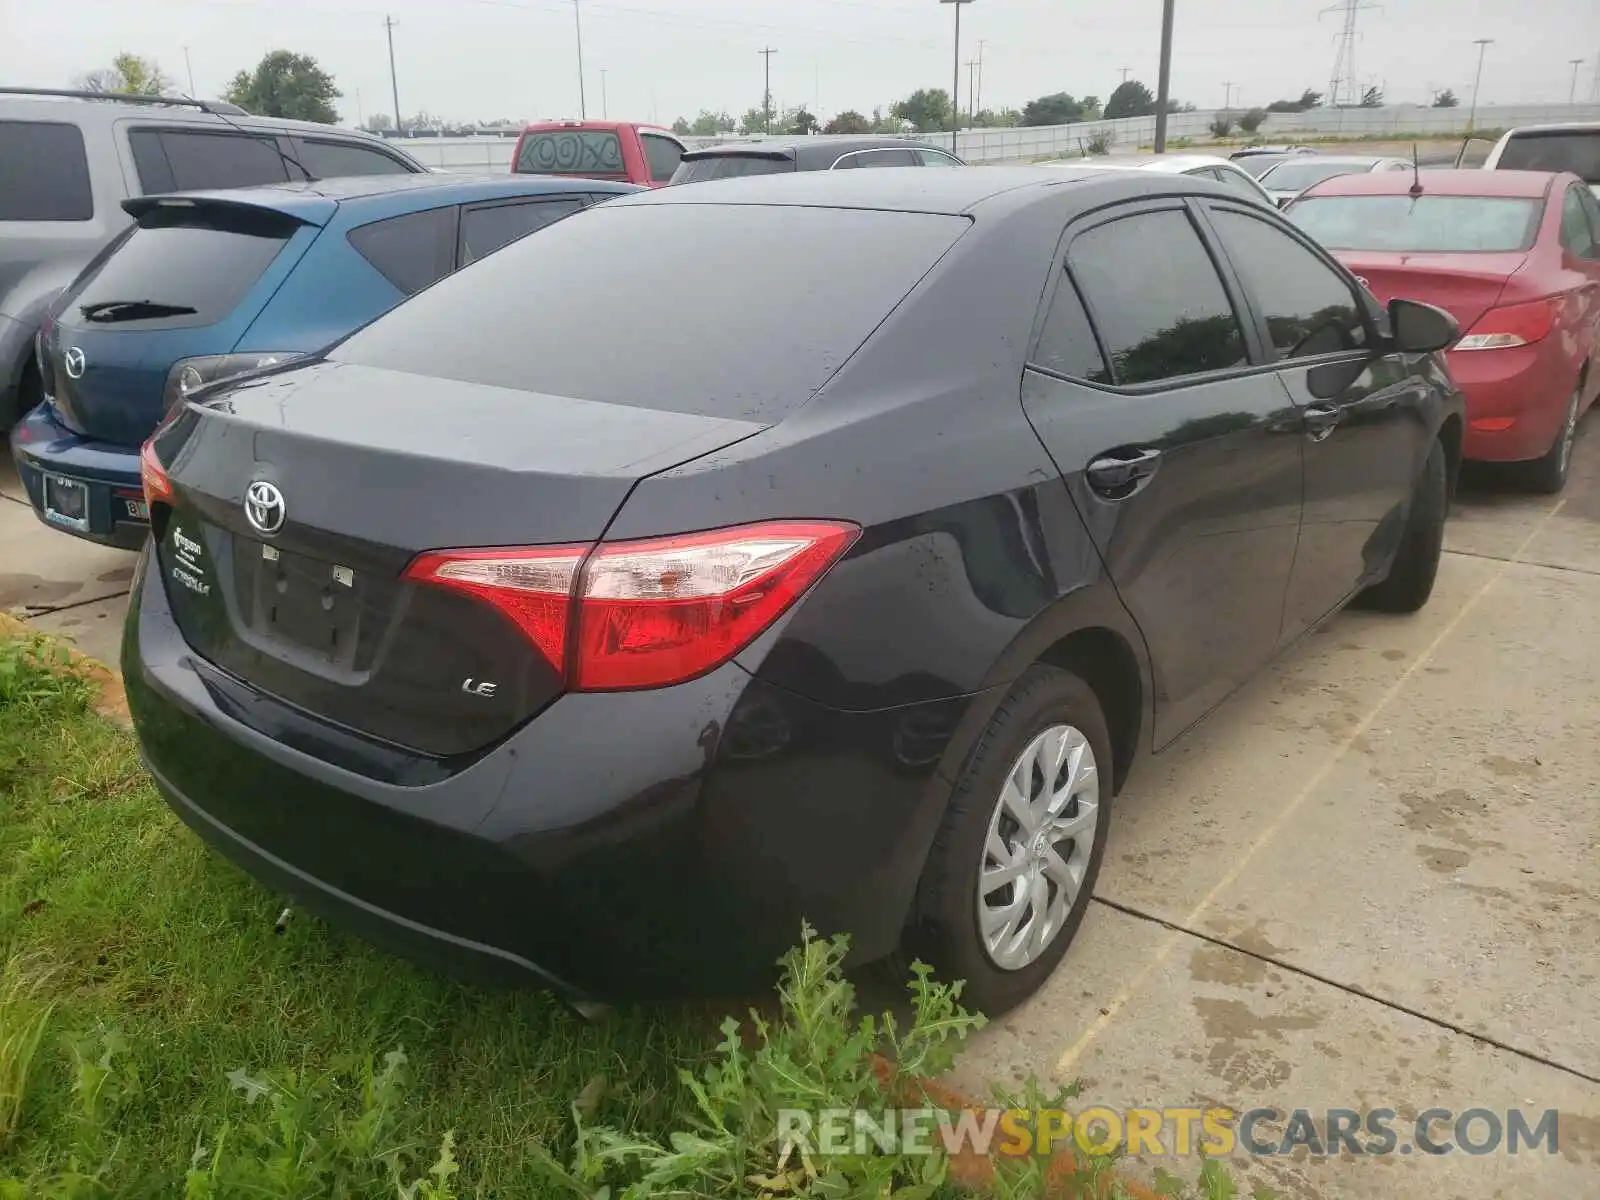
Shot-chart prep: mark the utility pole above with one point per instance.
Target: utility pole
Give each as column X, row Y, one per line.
column 955, row 76
column 766, row 53
column 1164, row 77
column 394, row 83
column 1125, row 72
column 1572, row 96
column 605, row 111
column 1482, row 44
column 1344, row 62
column 1227, row 94
column 577, row 25
column 977, row 90
column 189, row 67
column 972, row 90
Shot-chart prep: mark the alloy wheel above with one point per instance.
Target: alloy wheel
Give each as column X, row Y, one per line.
column 1039, row 844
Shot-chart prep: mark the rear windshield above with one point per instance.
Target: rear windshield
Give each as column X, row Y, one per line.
column 1429, row 223
column 570, row 152
column 736, row 311
column 1292, row 176
column 1578, row 152
column 1259, row 164
column 196, row 264
column 726, row 166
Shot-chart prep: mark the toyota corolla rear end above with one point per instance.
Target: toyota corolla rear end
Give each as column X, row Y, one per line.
column 382, row 653
column 1479, row 257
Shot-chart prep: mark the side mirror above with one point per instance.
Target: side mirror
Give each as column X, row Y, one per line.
column 1419, row 328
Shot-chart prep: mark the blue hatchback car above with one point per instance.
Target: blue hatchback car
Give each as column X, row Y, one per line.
column 209, row 285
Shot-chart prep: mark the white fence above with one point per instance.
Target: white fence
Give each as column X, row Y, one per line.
column 492, row 155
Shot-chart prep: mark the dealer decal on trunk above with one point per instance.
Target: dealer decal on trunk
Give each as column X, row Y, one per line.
column 188, row 570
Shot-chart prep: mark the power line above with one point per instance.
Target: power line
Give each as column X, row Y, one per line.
column 1344, row 61
column 766, row 53
column 394, row 81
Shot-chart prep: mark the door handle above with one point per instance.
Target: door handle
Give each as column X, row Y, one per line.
column 1321, row 419
column 1116, row 473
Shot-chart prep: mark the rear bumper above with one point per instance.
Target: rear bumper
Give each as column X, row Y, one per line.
column 42, row 445
column 634, row 844
column 1516, row 399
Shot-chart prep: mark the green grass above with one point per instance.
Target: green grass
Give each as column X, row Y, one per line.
column 164, row 955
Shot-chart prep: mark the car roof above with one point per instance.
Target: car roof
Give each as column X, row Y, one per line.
column 791, row 147
column 315, row 201
column 1344, row 160
column 585, row 123
column 914, row 189
column 1177, row 163
column 1441, row 182
column 1561, row 127
column 44, row 107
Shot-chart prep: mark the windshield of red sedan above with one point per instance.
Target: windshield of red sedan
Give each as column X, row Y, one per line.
column 1437, row 224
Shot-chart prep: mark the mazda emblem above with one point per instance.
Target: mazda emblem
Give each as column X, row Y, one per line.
column 264, row 507
column 74, row 362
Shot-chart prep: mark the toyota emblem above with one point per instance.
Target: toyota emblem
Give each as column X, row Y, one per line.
column 74, row 362
column 264, row 508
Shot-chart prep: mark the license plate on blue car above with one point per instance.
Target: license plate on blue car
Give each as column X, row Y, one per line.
column 66, row 502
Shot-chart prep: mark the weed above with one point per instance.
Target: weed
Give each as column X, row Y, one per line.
column 24, row 1014
column 1099, row 143
column 1221, row 127
column 36, row 671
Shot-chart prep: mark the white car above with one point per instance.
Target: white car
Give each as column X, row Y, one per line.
column 1205, row 166
column 1574, row 147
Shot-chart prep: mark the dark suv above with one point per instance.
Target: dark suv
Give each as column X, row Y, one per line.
column 69, row 159
column 773, row 156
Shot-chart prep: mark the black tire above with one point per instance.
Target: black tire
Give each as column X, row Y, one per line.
column 946, row 934
column 1416, row 562
column 30, row 391
column 1548, row 474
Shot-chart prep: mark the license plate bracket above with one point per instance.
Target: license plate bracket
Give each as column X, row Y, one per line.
column 66, row 502
column 311, row 604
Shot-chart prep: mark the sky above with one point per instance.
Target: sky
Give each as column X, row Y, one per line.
column 654, row 60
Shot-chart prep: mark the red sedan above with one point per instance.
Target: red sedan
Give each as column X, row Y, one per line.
column 1515, row 256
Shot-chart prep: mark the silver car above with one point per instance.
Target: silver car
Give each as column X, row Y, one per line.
column 1203, row 166
column 1292, row 176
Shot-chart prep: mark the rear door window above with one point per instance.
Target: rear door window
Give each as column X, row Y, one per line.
column 890, row 157
column 485, row 228
column 44, row 172
column 195, row 263
column 1576, row 235
column 327, row 160
column 727, row 166
column 657, row 306
column 937, row 158
column 1156, row 298
column 571, row 152
column 663, row 154
column 181, row 160
column 1067, row 343
column 412, row 250
column 1577, row 151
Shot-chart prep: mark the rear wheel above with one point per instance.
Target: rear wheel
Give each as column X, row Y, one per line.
column 1014, row 864
column 1549, row 474
column 1416, row 562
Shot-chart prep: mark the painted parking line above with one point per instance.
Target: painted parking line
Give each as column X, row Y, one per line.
column 1175, row 937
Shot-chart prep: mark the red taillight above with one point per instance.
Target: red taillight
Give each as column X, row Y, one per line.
column 647, row 613
column 1513, row 325
column 153, row 476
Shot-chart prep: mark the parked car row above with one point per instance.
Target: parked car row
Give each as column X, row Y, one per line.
column 590, row 607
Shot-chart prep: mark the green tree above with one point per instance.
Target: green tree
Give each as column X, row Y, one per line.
column 681, row 127
column 128, row 73
column 285, row 84
column 1005, row 118
column 709, row 124
column 1251, row 121
column 928, row 110
column 1131, row 99
column 1309, row 99
column 884, row 124
column 1222, row 126
column 1446, row 99
column 849, row 121
column 753, row 121
column 798, row 120
column 1372, row 98
column 1058, row 108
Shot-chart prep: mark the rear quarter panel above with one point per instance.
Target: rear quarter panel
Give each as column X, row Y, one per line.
column 331, row 292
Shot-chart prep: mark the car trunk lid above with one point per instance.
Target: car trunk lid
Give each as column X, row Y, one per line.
column 1465, row 285
column 298, row 590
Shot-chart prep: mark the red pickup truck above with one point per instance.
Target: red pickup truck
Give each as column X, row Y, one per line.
column 645, row 154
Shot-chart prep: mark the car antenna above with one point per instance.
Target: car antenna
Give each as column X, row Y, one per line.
column 284, row 156
column 1416, row 173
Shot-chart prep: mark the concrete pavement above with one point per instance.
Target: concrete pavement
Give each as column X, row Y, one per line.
column 1371, row 880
